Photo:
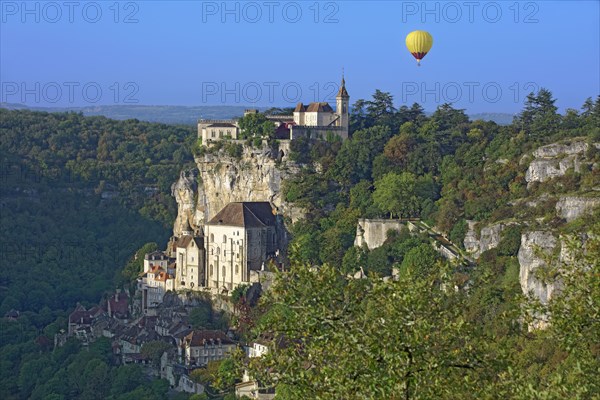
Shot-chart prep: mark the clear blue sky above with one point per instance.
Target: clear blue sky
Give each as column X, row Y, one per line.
column 486, row 55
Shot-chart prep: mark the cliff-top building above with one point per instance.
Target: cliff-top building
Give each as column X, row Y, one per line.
column 314, row 120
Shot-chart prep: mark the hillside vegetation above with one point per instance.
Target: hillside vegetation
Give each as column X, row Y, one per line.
column 81, row 194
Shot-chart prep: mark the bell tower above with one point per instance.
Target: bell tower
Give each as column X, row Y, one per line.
column 342, row 100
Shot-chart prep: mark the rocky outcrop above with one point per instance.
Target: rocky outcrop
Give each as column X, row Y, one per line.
column 536, row 248
column 489, row 237
column 373, row 232
column 184, row 191
column 559, row 149
column 220, row 179
column 544, row 170
column 555, row 159
column 573, row 207
column 255, row 176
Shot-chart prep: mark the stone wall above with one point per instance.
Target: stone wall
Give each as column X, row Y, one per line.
column 373, row 232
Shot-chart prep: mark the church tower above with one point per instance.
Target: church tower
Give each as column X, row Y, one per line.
column 342, row 100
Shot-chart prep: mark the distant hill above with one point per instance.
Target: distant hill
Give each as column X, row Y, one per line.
column 499, row 118
column 165, row 114
column 188, row 115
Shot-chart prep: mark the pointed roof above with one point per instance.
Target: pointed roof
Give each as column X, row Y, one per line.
column 245, row 214
column 343, row 92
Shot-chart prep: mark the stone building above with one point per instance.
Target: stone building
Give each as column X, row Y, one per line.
column 153, row 285
column 239, row 239
column 314, row 120
column 215, row 130
column 189, row 257
column 157, row 278
column 200, row 347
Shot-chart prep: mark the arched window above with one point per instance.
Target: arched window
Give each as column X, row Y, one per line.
column 212, row 237
column 224, row 238
column 210, row 270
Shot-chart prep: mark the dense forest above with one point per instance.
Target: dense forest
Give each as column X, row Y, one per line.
column 81, row 194
column 414, row 337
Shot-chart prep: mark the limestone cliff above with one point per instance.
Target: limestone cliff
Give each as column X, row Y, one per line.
column 536, row 250
column 220, row 179
column 541, row 247
column 555, row 159
column 488, row 238
column 184, row 191
column 573, row 207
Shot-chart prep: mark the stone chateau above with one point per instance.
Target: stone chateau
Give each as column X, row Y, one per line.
column 314, row 120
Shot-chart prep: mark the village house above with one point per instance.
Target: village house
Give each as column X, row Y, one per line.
column 201, row 346
column 257, row 349
column 239, row 240
column 251, row 388
column 153, row 284
column 81, row 321
column 189, row 256
column 117, row 306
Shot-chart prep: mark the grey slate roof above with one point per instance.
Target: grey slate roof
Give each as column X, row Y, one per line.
column 245, row 214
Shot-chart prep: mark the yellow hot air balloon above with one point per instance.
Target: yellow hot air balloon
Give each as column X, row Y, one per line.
column 419, row 43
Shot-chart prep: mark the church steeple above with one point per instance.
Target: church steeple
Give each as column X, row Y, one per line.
column 343, row 93
column 342, row 100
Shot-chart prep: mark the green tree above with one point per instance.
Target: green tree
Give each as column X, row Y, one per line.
column 368, row 338
column 255, row 125
column 395, row 193
column 135, row 266
column 539, row 118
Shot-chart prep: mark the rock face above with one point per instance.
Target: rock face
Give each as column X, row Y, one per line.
column 573, row 207
column 557, row 149
column 534, row 245
column 184, row 191
column 555, row 159
column 373, row 232
column 489, row 237
column 255, row 176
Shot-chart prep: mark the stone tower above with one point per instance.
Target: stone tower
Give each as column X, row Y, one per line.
column 342, row 100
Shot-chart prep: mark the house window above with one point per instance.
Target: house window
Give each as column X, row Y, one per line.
column 223, row 272
column 224, row 238
column 212, row 237
column 237, row 269
column 210, row 270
